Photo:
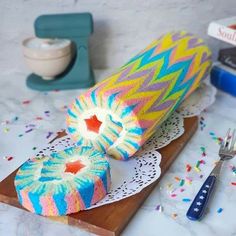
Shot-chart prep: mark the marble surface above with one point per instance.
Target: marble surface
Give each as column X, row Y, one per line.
column 120, row 31
column 148, row 220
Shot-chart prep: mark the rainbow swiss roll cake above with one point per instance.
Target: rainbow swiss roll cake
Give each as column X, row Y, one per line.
column 116, row 117
column 122, row 112
column 63, row 183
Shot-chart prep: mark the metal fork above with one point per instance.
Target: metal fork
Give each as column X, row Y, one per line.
column 199, row 204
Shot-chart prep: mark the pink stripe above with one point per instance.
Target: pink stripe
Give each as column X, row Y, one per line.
column 99, row 191
column 146, row 123
column 26, row 201
column 48, row 206
column 141, row 102
column 74, row 202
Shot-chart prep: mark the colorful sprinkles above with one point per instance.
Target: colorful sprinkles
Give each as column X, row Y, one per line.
column 202, row 123
column 214, row 137
column 175, row 190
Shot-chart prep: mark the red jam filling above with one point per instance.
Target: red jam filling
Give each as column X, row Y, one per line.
column 93, row 124
column 74, row 167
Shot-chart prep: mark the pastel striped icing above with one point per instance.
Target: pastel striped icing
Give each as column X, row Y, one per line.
column 137, row 98
column 44, row 185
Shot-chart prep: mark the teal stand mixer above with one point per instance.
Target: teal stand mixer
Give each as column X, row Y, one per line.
column 76, row 27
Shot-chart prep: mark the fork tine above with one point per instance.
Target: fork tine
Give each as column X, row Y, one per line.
column 225, row 140
column 232, row 141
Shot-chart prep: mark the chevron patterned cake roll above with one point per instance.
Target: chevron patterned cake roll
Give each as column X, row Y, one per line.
column 120, row 113
column 63, row 183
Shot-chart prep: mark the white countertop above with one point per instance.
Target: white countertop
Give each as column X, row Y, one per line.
column 148, row 221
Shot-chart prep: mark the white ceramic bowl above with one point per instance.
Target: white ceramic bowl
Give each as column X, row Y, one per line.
column 47, row 57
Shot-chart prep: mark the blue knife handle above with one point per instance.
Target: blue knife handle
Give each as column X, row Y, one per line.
column 199, row 204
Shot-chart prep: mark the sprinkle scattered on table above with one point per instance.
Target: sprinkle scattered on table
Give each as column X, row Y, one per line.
column 38, row 118
column 215, row 138
column 188, row 168
column 47, row 113
column 6, row 130
column 29, row 130
column 174, row 215
column 49, row 135
column 186, row 200
column 202, row 123
column 233, row 169
column 8, row 158
column 203, row 149
column 177, row 178
column 188, row 180
column 220, row 210
column 64, row 108
column 25, row 102
column 233, row 183
column 181, row 183
column 159, row 208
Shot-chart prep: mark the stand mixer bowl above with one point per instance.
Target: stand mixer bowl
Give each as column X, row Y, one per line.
column 47, row 57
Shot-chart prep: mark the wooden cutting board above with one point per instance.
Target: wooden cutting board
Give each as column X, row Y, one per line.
column 110, row 219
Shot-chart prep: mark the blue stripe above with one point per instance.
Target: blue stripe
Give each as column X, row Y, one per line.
column 114, row 132
column 35, row 200
column 71, row 129
column 46, row 171
column 79, row 142
column 101, row 146
column 27, row 165
column 137, row 130
column 72, row 114
column 104, row 179
column 111, row 99
column 93, row 96
column 127, row 110
column 115, row 122
column 110, row 142
column 78, row 104
column 135, row 145
column 84, row 149
column 86, row 193
column 45, row 179
column 18, row 177
column 60, row 202
column 124, row 153
column 69, row 150
column 54, row 155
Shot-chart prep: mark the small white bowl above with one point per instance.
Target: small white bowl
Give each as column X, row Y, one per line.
column 47, row 57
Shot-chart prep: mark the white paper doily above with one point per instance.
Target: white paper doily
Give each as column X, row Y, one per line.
column 202, row 98
column 130, row 177
column 171, row 129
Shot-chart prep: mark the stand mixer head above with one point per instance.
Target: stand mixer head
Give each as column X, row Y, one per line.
column 76, row 27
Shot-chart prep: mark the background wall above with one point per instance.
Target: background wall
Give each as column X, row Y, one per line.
column 122, row 28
